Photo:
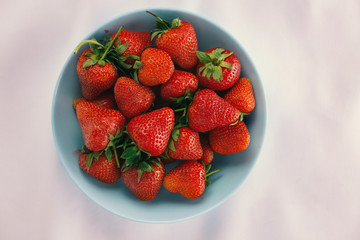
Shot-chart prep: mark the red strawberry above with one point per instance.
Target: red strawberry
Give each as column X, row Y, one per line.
column 178, row 83
column 105, row 100
column 148, row 185
column 178, row 38
column 101, row 168
column 96, row 78
column 132, row 98
column 208, row 152
column 209, row 111
column 189, row 179
column 218, row 68
column 136, row 42
column 241, row 96
column 97, row 123
column 157, row 67
column 96, row 66
column 185, row 145
column 230, row 139
column 151, row 131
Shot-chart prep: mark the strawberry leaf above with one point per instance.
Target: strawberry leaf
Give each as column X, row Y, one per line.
column 207, row 168
column 156, row 33
column 175, row 134
column 118, row 134
column 203, row 57
column 225, row 64
column 138, row 64
column 89, row 55
column 95, row 48
column 101, row 62
column 121, row 48
column 130, row 151
column 157, row 161
column 162, row 26
column 140, row 172
column 123, row 64
column 213, row 63
column 209, row 72
column 133, row 160
column 171, row 145
column 84, row 149
column 224, row 56
column 89, row 160
column 108, row 154
column 89, row 63
column 146, row 167
column 97, row 154
column 217, row 52
column 216, row 74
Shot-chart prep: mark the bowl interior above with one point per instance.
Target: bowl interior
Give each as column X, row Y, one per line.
column 166, row 207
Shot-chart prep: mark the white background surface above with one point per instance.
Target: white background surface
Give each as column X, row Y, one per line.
column 306, row 182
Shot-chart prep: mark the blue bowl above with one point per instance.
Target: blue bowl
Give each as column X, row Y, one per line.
column 166, row 207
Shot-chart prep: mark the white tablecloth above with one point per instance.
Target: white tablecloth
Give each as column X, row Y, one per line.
column 305, row 184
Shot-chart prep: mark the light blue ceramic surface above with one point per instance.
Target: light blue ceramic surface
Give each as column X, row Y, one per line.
column 166, row 207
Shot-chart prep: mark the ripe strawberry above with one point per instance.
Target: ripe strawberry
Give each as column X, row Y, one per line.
column 147, row 186
column 134, row 41
column 178, row 38
column 97, row 123
column 208, row 152
column 157, row 67
column 105, row 100
column 229, row 139
column 218, row 68
column 241, row 96
column 209, row 111
column 151, row 131
column 132, row 98
column 178, row 83
column 101, row 168
column 189, row 179
column 95, row 67
column 96, row 78
column 185, row 144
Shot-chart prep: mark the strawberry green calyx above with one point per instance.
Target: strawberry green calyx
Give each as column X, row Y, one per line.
column 134, row 157
column 185, row 99
column 147, row 166
column 102, row 53
column 162, row 26
column 136, row 66
column 174, row 137
column 213, row 63
column 207, row 173
column 181, row 105
column 108, row 150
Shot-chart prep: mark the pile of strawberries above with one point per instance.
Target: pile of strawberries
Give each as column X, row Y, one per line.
column 152, row 99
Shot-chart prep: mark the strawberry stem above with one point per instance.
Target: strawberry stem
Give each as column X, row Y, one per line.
column 210, row 173
column 87, row 41
column 180, row 109
column 111, row 43
column 116, row 157
column 163, row 22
